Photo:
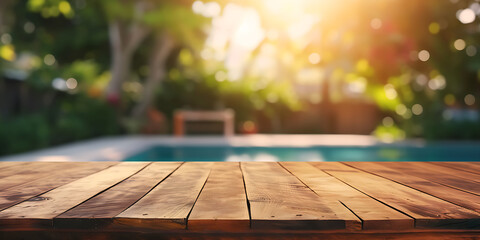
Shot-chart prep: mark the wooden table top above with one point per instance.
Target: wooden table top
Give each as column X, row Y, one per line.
column 240, row 197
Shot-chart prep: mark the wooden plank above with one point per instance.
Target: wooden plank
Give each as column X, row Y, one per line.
column 99, row 211
column 429, row 173
column 428, row 211
column 374, row 215
column 449, row 171
column 473, row 167
column 168, row 204
column 222, row 204
column 38, row 212
column 8, row 164
column 32, row 172
column 452, row 195
column 335, row 166
column 278, row 200
column 4, row 164
column 7, row 167
column 19, row 193
column 15, row 168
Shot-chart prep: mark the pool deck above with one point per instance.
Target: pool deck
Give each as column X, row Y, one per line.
column 119, row 148
column 254, row 200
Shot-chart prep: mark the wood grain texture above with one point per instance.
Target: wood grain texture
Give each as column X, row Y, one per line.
column 473, row 167
column 100, row 210
column 33, row 172
column 19, row 193
column 321, row 199
column 449, row 171
column 268, row 186
column 222, row 204
column 39, row 211
column 9, row 164
column 446, row 193
column 10, row 168
column 428, row 211
column 374, row 215
column 429, row 173
column 168, row 204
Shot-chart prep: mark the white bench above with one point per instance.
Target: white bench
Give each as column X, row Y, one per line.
column 226, row 116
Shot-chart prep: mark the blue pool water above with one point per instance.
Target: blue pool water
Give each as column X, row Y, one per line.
column 432, row 152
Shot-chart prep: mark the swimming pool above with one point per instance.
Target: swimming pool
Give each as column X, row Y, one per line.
column 429, row 152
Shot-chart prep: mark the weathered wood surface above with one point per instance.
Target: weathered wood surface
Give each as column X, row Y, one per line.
column 105, row 206
column 251, row 198
column 373, row 214
column 446, row 193
column 10, row 168
column 20, row 193
column 167, row 206
column 41, row 210
column 473, row 167
column 269, row 186
column 222, row 204
column 32, row 172
column 429, row 172
column 428, row 211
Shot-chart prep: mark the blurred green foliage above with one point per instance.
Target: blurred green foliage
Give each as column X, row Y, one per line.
column 82, row 117
column 399, row 82
column 75, row 118
column 24, row 133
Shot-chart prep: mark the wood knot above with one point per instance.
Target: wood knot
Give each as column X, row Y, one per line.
column 35, row 199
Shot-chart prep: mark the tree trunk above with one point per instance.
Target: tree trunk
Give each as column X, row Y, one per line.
column 120, row 70
column 157, row 65
column 124, row 41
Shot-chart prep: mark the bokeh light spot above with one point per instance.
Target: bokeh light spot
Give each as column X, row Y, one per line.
column 401, row 109
column 6, row 38
column 314, row 58
column 466, row 16
column 49, row 59
column 434, row 28
column 423, row 55
column 437, row 83
column 469, row 99
column 459, row 44
column 7, row 52
column 71, row 83
column 249, row 126
column 376, row 23
column 449, row 99
column 64, row 7
column 29, row 27
column 471, row 51
column 390, row 92
column 417, row 109
column 387, row 121
column 198, row 7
